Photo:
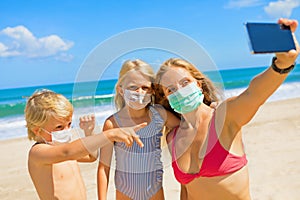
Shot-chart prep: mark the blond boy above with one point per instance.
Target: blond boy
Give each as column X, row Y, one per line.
column 53, row 164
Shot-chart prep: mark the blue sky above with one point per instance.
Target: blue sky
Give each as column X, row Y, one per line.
column 46, row 42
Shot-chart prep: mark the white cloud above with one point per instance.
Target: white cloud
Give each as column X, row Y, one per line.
column 21, row 42
column 281, row 8
column 64, row 57
column 5, row 53
column 242, row 3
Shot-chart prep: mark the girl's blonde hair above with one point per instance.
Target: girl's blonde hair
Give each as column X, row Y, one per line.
column 128, row 66
column 211, row 93
column 41, row 106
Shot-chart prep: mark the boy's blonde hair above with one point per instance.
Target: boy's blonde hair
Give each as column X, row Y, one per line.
column 132, row 65
column 41, row 106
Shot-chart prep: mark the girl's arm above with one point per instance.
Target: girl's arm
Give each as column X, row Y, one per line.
column 104, row 165
column 103, row 171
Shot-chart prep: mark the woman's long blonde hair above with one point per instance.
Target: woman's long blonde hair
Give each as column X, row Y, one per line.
column 131, row 65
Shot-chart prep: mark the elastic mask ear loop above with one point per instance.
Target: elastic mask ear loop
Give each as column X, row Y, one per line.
column 42, row 136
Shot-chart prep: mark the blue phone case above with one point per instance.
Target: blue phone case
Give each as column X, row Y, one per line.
column 269, row 37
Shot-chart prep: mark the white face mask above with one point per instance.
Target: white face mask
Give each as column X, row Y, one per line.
column 136, row 100
column 60, row 137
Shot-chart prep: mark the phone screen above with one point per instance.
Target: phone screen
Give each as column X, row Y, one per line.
column 269, row 37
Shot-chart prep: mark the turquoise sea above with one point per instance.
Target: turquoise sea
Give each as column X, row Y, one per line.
column 97, row 97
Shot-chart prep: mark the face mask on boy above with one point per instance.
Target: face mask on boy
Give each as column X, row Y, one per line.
column 59, row 137
column 136, row 100
column 186, row 99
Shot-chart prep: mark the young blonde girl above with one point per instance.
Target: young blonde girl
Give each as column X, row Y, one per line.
column 139, row 171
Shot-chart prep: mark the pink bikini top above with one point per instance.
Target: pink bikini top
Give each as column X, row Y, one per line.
column 217, row 160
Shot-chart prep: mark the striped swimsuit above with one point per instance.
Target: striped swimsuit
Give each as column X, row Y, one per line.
column 139, row 170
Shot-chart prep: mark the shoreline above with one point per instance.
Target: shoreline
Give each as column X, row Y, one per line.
column 271, row 142
column 14, row 126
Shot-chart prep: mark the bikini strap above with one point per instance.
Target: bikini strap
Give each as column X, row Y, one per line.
column 173, row 143
column 212, row 135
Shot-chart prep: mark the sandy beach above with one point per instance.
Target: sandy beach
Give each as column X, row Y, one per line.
column 272, row 145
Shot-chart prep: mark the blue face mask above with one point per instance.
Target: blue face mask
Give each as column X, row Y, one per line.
column 186, row 99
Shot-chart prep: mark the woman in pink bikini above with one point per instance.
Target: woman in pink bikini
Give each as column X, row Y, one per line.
column 207, row 150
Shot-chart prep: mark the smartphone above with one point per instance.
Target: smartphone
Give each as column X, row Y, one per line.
column 269, row 37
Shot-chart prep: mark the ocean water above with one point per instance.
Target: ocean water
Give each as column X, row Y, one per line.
column 97, row 97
